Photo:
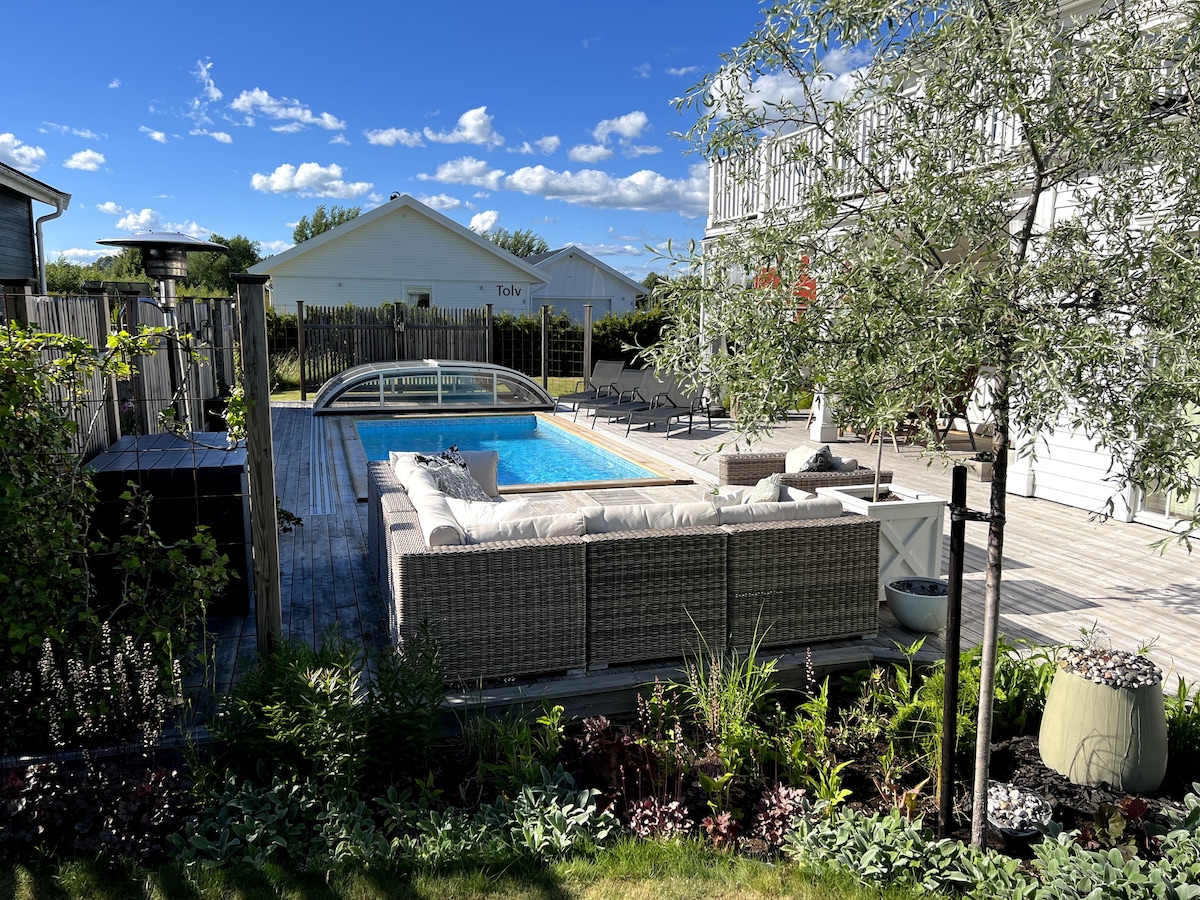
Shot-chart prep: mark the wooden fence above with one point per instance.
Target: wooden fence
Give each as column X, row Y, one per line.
column 333, row 339
column 110, row 408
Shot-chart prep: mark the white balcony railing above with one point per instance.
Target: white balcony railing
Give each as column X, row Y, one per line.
column 775, row 179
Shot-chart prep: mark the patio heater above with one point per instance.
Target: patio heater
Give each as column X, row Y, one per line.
column 164, row 257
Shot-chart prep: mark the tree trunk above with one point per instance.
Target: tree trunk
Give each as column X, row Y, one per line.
column 991, row 596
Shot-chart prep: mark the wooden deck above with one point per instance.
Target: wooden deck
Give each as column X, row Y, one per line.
column 1064, row 572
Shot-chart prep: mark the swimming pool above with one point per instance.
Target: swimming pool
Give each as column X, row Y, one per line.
column 532, row 450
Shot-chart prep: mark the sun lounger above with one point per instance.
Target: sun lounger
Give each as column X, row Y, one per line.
column 672, row 404
column 604, row 377
column 638, row 399
column 622, row 390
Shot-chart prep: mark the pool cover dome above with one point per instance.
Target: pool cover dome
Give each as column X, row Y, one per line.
column 426, row 385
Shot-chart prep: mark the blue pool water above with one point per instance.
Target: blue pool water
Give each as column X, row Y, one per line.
column 532, row 451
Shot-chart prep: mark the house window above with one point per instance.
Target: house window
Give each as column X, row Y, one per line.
column 418, row 297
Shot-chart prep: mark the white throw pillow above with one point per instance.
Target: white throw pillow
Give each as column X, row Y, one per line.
column 766, row 491
column 820, row 508
column 560, row 525
column 481, row 512
column 456, row 481
column 482, row 465
column 728, row 495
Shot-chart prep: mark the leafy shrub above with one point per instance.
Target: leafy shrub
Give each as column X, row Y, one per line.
column 510, row 751
column 126, row 806
column 550, row 818
column 888, row 849
column 302, row 709
column 120, row 695
column 277, row 821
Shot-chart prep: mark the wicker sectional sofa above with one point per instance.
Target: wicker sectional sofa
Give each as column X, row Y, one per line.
column 548, row 605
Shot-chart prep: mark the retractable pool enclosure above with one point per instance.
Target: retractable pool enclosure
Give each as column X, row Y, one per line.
column 430, row 385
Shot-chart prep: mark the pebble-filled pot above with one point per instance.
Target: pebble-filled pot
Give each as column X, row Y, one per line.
column 1105, row 721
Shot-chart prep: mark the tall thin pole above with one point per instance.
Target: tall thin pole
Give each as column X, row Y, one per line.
column 546, row 346
column 958, row 538
column 300, row 348
column 260, row 462
column 587, row 341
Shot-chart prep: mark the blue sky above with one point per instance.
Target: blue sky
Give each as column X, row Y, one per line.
column 240, row 118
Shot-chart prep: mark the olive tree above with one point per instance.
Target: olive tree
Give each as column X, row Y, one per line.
column 976, row 185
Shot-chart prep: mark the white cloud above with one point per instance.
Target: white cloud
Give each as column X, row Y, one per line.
column 145, row 220
column 209, row 94
column 288, row 128
column 79, row 255
column 390, row 137
column 340, row 139
column 467, row 170
column 309, row 180
column 484, row 221
column 629, row 125
column 644, row 190
column 474, row 127
column 259, row 102
column 159, row 136
column 610, row 249
column 115, row 83
column 149, row 220
column 209, row 88
column 109, row 207
column 273, row 247
column 221, row 137
column 440, row 201
column 642, row 71
column 85, row 161
column 524, row 148
column 548, row 144
column 683, row 70
column 86, row 133
column 20, row 155
column 588, row 153
column 634, row 150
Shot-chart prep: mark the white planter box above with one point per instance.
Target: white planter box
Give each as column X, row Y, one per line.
column 910, row 532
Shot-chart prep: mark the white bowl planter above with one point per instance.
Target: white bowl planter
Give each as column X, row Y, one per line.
column 910, row 533
column 919, row 604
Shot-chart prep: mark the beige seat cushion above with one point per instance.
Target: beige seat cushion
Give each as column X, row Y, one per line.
column 787, row 511
column 560, row 525
column 647, row 516
column 483, row 512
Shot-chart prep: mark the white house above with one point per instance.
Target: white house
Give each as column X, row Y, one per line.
column 576, row 278
column 1068, row 468
column 401, row 251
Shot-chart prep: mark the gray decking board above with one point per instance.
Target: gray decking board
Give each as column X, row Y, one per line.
column 1062, row 571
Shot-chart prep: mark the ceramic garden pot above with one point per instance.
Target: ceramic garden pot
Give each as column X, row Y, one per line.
column 919, row 604
column 1093, row 732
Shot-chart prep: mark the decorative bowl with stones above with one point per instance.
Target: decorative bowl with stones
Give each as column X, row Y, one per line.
column 1014, row 812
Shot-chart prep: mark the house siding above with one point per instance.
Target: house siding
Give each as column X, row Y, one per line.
column 18, row 255
column 383, row 259
column 575, row 281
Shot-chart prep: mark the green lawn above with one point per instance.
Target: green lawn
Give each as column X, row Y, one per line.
column 628, row 871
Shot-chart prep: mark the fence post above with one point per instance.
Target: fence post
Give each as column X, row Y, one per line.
column 112, row 406
column 546, row 346
column 491, row 336
column 264, row 528
column 587, row 341
column 300, row 348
